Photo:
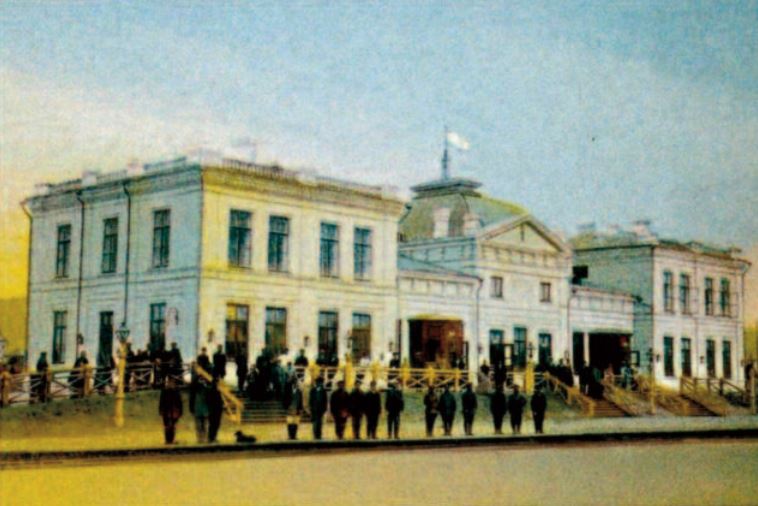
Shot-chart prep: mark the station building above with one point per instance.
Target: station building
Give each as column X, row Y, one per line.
column 207, row 251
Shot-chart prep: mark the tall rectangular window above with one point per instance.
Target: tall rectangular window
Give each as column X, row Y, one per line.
column 496, row 287
column 158, row 326
column 327, row 337
column 668, row 356
column 684, row 293
column 240, row 238
column 59, row 337
column 545, row 349
column 276, row 330
column 497, row 347
column 161, row 237
column 709, row 296
column 237, row 320
column 686, row 357
column 710, row 357
column 329, row 250
column 519, row 347
column 361, row 336
column 362, row 253
column 545, row 295
column 62, row 251
column 724, row 302
column 110, row 245
column 668, row 292
column 726, row 358
column 278, row 243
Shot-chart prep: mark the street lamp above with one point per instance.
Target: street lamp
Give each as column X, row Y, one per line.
column 123, row 334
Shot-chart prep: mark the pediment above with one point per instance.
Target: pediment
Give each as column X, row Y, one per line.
column 525, row 233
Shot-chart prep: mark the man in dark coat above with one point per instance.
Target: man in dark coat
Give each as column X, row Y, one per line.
column 447, row 407
column 301, row 360
column 516, row 404
column 469, row 404
column 219, row 363
column 317, row 405
column 539, row 406
column 241, row 361
column 41, row 387
column 356, row 404
column 339, row 404
column 372, row 408
column 498, row 407
column 170, row 409
column 198, row 404
column 175, row 363
column 430, row 410
column 394, row 405
column 76, row 376
column 294, row 406
column 215, row 410
column 203, row 361
column 104, row 373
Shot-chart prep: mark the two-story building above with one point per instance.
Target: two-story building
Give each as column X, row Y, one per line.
column 688, row 319
column 210, row 251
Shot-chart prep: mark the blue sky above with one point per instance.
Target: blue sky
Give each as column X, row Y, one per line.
column 580, row 111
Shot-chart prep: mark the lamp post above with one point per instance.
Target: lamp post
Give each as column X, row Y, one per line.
column 651, row 361
column 123, row 334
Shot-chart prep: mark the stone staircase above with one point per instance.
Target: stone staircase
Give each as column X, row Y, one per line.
column 697, row 409
column 265, row 411
column 606, row 409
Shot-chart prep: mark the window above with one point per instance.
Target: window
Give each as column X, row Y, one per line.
column 545, row 295
column 668, row 292
column 724, row 302
column 726, row 359
column 519, row 347
column 361, row 336
column 59, row 336
column 668, row 356
column 684, row 293
column 329, row 250
column 278, row 243
column 545, row 349
column 578, row 350
column 327, row 337
column 110, row 245
column 157, row 326
column 709, row 296
column 580, row 273
column 240, row 235
column 362, row 253
column 496, row 287
column 161, row 237
column 237, row 316
column 62, row 251
column 686, row 357
column 276, row 330
column 497, row 347
column 710, row 357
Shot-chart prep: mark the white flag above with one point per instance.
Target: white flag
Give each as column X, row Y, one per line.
column 457, row 141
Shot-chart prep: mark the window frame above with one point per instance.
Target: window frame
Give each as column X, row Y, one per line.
column 329, row 261
column 668, row 291
column 725, row 304
column 328, row 336
column 157, row 325
column 684, row 293
column 109, row 254
column 278, row 257
column 710, row 358
column 233, row 345
column 546, row 292
column 668, row 356
column 708, row 296
column 686, row 352
column 363, row 253
column 161, row 239
column 726, row 358
column 520, row 358
column 361, row 334
column 60, row 326
column 240, row 239
column 275, row 334
column 62, row 250
column 496, row 287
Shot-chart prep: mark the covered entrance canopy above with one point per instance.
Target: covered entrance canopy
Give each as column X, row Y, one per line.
column 436, row 340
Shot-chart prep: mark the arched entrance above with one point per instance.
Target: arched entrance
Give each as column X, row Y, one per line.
column 436, row 340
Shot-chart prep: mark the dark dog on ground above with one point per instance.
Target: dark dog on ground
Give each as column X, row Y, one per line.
column 244, row 438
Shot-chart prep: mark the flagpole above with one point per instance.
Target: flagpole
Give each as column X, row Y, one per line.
column 445, row 160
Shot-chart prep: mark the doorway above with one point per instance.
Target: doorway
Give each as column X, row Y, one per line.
column 105, row 340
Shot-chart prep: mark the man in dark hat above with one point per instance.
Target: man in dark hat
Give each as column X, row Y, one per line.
column 516, row 404
column 170, row 408
column 539, row 406
column 431, row 402
column 468, row 404
column 241, row 362
column 498, row 407
column 372, row 408
column 339, row 404
column 203, row 360
column 219, row 363
column 356, row 404
column 215, row 410
column 394, row 405
column 447, row 407
column 317, row 404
